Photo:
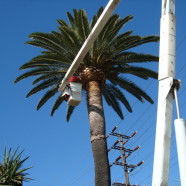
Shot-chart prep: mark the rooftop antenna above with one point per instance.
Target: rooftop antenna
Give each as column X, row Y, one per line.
column 168, row 87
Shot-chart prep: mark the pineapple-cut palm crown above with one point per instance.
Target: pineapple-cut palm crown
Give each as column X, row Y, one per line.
column 110, row 56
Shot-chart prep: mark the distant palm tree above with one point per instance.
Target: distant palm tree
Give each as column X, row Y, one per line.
column 11, row 171
column 102, row 72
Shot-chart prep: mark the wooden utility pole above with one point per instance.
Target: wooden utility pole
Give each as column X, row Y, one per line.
column 124, row 160
column 125, row 153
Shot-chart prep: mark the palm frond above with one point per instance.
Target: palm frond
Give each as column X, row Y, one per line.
column 133, row 57
column 132, row 88
column 134, row 41
column 46, row 77
column 57, row 103
column 71, row 20
column 47, row 96
column 112, row 27
column 70, row 110
column 39, row 71
column 137, row 71
column 117, row 27
column 62, row 23
column 107, row 29
column 96, row 17
column 112, row 101
column 121, row 83
column 46, row 59
column 70, row 39
column 47, row 41
column 43, row 85
column 119, row 95
column 82, row 25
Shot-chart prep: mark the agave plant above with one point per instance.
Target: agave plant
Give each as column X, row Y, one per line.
column 11, row 172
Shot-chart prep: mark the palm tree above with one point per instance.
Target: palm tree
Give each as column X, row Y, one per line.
column 102, row 72
column 10, row 169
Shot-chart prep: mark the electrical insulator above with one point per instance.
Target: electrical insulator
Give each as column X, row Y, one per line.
column 116, row 142
column 136, row 148
column 127, row 156
column 118, row 158
column 140, row 163
column 125, row 142
column 114, row 129
column 134, row 134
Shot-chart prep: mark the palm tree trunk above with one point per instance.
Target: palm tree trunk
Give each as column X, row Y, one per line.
column 97, row 134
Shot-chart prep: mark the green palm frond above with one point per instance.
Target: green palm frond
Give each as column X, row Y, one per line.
column 106, row 31
column 57, row 103
column 133, row 57
column 71, row 20
column 47, row 59
column 47, row 41
column 43, row 85
column 82, row 25
column 137, row 71
column 112, row 101
column 121, row 83
column 62, row 23
column 46, row 77
column 112, row 27
column 47, row 96
column 39, row 71
column 70, row 110
column 120, row 38
column 132, row 88
column 134, row 41
column 71, row 41
column 119, row 95
column 117, row 27
column 96, row 17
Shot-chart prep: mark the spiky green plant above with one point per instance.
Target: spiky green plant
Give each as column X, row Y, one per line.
column 103, row 72
column 11, row 171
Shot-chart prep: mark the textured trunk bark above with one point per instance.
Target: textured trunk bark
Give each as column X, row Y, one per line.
column 97, row 134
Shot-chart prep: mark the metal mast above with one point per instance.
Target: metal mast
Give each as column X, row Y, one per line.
column 165, row 99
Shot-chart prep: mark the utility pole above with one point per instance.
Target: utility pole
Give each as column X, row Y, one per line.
column 125, row 153
column 124, row 160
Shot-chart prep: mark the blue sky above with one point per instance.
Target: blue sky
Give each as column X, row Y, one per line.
column 60, row 152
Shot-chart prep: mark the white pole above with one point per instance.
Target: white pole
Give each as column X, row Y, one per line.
column 111, row 6
column 165, row 95
column 180, row 131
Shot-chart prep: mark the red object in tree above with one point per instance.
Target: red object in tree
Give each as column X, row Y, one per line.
column 74, row 79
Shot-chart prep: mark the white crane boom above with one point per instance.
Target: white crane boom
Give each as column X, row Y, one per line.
column 89, row 41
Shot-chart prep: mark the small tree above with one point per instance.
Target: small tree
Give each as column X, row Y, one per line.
column 10, row 169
